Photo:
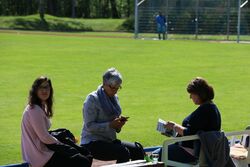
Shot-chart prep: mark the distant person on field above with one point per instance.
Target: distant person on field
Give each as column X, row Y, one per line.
column 161, row 26
column 35, row 125
column 205, row 118
column 103, row 119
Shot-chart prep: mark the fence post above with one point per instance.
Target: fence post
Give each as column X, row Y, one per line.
column 238, row 25
column 196, row 19
column 228, row 18
column 136, row 19
column 167, row 21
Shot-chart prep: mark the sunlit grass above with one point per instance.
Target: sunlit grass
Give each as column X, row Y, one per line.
column 53, row 23
column 155, row 76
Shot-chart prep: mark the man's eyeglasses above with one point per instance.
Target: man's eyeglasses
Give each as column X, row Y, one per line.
column 115, row 88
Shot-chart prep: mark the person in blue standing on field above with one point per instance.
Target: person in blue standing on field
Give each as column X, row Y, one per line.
column 161, row 25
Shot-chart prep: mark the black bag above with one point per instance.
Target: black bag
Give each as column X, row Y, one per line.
column 63, row 135
column 68, row 146
column 136, row 150
column 70, row 153
column 141, row 153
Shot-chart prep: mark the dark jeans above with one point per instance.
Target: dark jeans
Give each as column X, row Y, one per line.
column 116, row 150
column 58, row 160
column 177, row 153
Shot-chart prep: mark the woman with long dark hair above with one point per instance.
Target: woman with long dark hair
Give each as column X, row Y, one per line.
column 35, row 126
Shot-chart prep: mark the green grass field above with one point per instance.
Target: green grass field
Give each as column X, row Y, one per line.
column 155, row 77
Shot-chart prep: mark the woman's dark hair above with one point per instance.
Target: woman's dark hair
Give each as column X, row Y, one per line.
column 200, row 87
column 35, row 100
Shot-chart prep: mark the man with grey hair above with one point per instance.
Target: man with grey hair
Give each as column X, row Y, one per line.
column 103, row 119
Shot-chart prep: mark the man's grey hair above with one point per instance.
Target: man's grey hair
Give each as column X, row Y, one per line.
column 112, row 77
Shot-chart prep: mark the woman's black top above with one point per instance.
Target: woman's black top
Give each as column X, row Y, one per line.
column 205, row 118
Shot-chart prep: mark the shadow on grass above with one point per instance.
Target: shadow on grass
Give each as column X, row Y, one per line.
column 49, row 25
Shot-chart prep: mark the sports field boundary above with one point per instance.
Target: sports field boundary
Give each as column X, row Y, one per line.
column 113, row 35
column 68, row 34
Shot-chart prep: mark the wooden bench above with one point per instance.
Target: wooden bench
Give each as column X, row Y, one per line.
column 97, row 163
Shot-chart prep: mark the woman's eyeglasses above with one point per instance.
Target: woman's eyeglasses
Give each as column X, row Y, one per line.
column 115, row 88
column 46, row 87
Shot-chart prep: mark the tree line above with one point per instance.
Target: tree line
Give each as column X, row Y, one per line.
column 69, row 8
column 181, row 13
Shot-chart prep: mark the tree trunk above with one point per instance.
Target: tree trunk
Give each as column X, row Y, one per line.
column 41, row 9
column 105, row 9
column 99, row 9
column 51, row 7
column 29, row 7
column 128, row 8
column 73, row 15
column 86, row 8
column 114, row 10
